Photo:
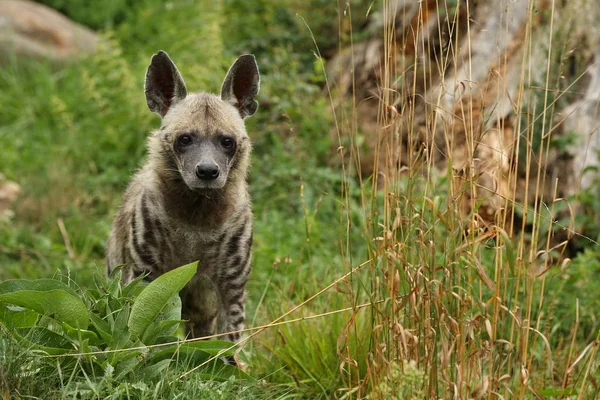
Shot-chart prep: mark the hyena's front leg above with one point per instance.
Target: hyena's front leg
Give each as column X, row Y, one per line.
column 232, row 282
column 200, row 306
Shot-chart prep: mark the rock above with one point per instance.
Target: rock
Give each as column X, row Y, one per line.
column 582, row 118
column 9, row 192
column 463, row 88
column 457, row 108
column 34, row 30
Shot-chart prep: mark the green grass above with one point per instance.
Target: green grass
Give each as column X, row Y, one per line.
column 436, row 300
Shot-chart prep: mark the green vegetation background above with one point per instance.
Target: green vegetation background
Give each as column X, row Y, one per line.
column 73, row 136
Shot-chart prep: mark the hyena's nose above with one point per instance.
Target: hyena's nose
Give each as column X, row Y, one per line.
column 207, row 172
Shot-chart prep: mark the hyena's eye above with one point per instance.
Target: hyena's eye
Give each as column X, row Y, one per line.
column 227, row 142
column 184, row 140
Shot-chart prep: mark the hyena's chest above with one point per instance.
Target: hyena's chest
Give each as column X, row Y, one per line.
column 218, row 253
column 186, row 247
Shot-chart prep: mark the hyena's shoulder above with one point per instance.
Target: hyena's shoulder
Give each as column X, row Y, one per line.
column 134, row 232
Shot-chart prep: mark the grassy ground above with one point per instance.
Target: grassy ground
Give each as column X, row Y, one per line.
column 435, row 301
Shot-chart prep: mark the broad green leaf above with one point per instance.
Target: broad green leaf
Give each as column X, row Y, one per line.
column 172, row 310
column 120, row 356
column 133, row 288
column 17, row 285
column 222, row 372
column 186, row 356
column 94, row 295
column 153, row 371
column 167, row 339
column 44, row 339
column 201, row 350
column 17, row 317
column 121, row 336
column 102, row 327
column 213, row 347
column 114, row 287
column 125, row 366
column 166, row 322
column 160, row 329
column 121, row 321
column 57, row 304
column 80, row 335
column 153, row 299
column 116, row 272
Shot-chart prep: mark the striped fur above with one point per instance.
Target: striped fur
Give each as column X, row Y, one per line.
column 167, row 220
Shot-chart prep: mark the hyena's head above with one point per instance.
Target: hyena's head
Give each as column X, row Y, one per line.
column 202, row 138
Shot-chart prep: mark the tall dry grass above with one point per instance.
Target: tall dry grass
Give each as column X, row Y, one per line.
column 459, row 307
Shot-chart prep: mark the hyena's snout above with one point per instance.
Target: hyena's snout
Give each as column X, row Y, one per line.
column 207, row 171
column 204, row 164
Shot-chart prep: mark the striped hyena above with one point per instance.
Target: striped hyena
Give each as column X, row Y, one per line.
column 190, row 199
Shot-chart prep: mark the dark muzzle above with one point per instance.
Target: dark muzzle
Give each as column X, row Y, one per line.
column 207, row 172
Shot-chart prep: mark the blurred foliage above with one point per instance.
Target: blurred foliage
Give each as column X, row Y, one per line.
column 572, row 294
column 587, row 219
column 94, row 14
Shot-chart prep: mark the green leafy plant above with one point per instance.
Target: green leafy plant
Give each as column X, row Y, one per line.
column 114, row 331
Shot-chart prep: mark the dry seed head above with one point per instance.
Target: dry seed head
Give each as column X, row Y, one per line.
column 524, row 375
column 488, row 328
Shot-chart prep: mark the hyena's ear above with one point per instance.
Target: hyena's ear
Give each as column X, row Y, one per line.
column 241, row 85
column 164, row 84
